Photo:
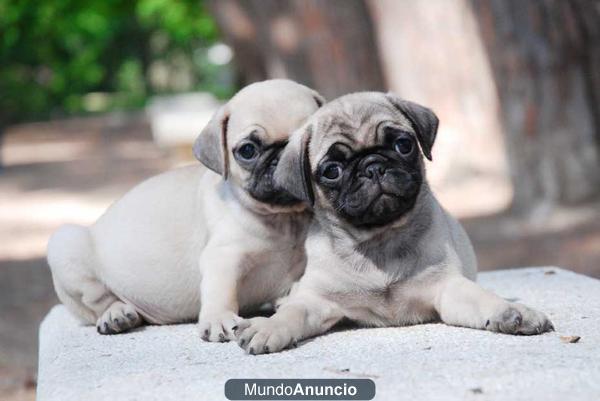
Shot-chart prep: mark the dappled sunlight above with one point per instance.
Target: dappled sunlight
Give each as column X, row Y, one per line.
column 27, row 221
column 475, row 196
column 43, row 153
column 69, row 173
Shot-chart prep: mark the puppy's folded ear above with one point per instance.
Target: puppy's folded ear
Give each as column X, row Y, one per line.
column 424, row 121
column 210, row 148
column 293, row 172
column 293, row 169
column 320, row 100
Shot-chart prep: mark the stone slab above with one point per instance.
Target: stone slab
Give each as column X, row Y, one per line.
column 425, row 362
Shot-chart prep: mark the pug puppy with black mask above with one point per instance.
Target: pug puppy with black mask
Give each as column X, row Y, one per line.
column 381, row 250
column 202, row 242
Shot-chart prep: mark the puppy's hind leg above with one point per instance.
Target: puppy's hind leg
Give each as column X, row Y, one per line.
column 72, row 259
column 119, row 317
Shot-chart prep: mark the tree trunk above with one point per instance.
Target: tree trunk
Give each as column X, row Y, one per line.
column 588, row 18
column 432, row 54
column 545, row 56
column 326, row 44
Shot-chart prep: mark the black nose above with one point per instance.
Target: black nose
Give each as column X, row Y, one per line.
column 374, row 169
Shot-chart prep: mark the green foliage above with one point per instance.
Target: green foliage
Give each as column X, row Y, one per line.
column 74, row 56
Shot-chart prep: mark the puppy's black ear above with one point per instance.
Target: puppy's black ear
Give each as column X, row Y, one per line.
column 423, row 120
column 320, row 100
column 293, row 172
column 210, row 147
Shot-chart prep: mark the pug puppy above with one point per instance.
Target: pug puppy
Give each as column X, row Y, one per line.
column 199, row 242
column 381, row 251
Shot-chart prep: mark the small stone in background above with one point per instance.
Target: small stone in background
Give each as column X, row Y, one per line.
column 569, row 339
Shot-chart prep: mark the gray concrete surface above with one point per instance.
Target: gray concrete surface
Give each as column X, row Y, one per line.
column 426, row 362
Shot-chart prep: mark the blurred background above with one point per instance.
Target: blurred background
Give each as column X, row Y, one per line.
column 97, row 95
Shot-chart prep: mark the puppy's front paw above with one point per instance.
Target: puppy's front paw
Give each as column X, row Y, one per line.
column 218, row 327
column 262, row 335
column 519, row 319
column 118, row 318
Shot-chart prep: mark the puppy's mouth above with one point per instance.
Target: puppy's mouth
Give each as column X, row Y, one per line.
column 269, row 194
column 382, row 210
column 376, row 203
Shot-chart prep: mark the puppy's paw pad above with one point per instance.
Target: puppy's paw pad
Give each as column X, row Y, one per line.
column 118, row 318
column 519, row 319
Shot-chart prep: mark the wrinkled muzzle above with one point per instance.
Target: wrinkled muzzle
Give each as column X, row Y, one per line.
column 377, row 191
column 263, row 186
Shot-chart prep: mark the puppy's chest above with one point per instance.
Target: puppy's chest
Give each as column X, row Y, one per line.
column 400, row 303
column 381, row 299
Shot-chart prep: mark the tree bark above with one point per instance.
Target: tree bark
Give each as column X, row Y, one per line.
column 326, row 44
column 545, row 56
column 432, row 54
column 588, row 18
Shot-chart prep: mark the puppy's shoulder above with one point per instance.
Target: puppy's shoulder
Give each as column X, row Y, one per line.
column 447, row 243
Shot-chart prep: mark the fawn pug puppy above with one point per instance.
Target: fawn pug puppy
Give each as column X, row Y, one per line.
column 196, row 243
column 381, row 250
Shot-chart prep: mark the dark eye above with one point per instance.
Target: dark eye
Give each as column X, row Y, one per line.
column 403, row 145
column 332, row 171
column 247, row 151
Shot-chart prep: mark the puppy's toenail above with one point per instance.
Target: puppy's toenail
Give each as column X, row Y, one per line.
column 266, row 349
column 251, row 351
column 221, row 337
column 487, row 323
column 242, row 342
